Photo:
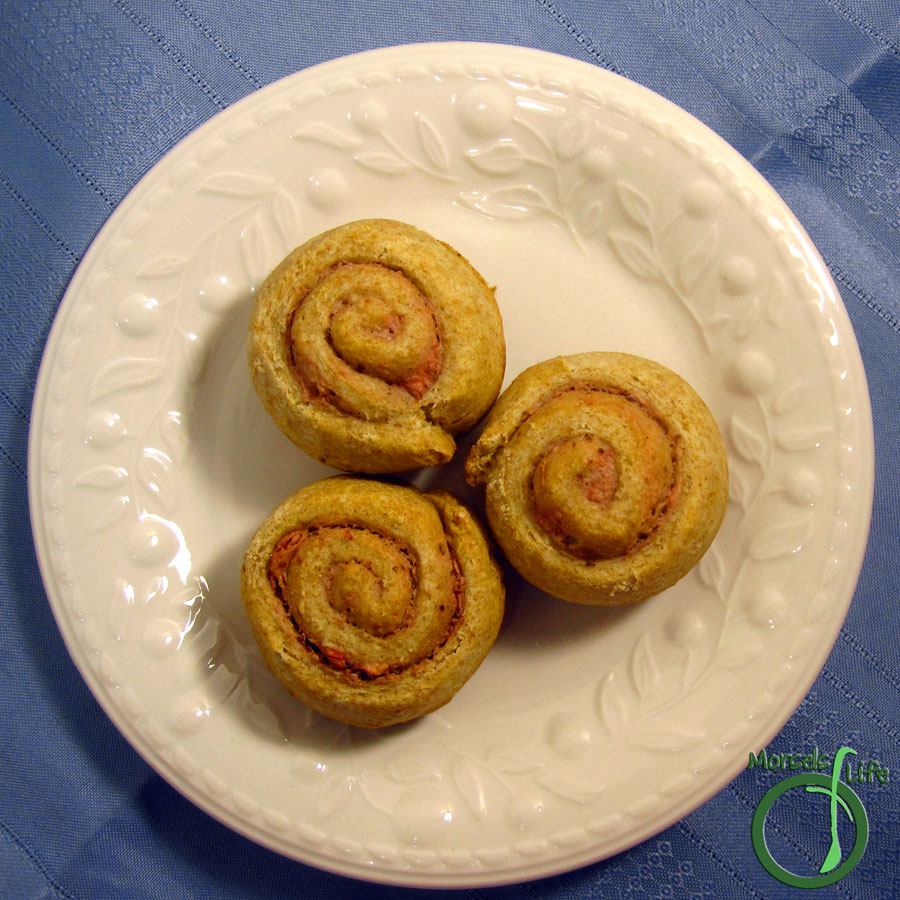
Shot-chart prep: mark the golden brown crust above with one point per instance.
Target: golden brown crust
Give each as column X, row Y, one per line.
column 373, row 603
column 372, row 344
column 605, row 474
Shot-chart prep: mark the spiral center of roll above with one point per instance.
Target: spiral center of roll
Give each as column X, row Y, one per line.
column 363, row 577
column 354, row 589
column 600, row 493
column 356, row 597
column 366, row 328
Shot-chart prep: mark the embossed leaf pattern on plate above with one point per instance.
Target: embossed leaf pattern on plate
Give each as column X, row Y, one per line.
column 124, row 374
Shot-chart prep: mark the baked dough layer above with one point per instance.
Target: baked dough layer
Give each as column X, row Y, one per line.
column 373, row 603
column 374, row 343
column 605, row 475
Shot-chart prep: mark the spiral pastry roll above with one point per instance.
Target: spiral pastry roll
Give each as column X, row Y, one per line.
column 373, row 603
column 605, row 474
column 373, row 344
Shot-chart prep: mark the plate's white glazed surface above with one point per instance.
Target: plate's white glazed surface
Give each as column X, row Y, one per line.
column 608, row 219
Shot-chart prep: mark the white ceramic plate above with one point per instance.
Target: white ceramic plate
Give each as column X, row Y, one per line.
column 608, row 219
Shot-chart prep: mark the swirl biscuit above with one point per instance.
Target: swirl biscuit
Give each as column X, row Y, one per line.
column 373, row 344
column 605, row 475
column 373, row 603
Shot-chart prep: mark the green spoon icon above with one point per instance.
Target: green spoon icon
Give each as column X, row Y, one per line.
column 833, row 857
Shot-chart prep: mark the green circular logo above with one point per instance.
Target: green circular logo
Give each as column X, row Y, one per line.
column 840, row 795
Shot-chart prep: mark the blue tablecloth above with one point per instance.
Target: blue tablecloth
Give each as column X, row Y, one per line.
column 94, row 92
